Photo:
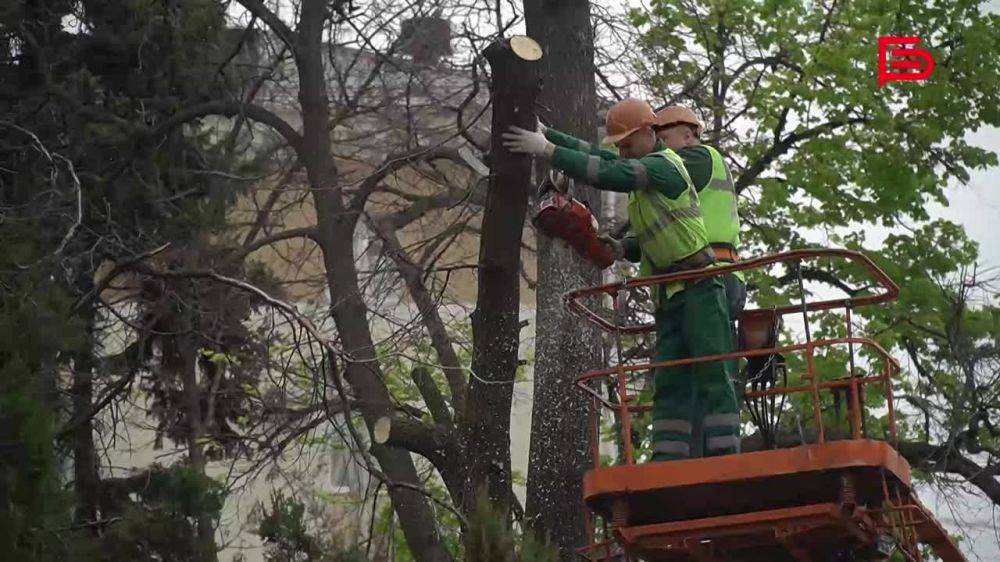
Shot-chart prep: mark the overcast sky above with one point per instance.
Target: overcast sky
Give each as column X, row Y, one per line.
column 977, row 205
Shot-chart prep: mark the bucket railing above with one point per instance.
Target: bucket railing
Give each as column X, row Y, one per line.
column 617, row 388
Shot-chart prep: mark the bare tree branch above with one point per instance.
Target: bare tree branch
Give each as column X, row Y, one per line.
column 303, row 232
column 260, row 11
column 948, row 459
column 754, row 170
column 230, row 109
column 429, row 313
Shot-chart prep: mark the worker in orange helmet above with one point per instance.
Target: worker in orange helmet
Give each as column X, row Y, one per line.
column 692, row 320
column 680, row 129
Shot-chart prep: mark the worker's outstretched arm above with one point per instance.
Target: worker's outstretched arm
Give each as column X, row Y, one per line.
column 622, row 175
column 566, row 140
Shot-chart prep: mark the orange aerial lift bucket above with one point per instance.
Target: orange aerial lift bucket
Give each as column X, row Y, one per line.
column 828, row 498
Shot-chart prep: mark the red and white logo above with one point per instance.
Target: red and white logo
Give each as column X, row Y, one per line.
column 906, row 63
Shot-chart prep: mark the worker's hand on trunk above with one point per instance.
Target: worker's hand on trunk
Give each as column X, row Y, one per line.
column 527, row 142
column 615, row 246
column 540, row 127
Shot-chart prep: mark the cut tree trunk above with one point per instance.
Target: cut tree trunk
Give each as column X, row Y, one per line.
column 564, row 347
column 495, row 323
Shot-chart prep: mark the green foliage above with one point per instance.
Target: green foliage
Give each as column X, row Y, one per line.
column 36, row 326
column 160, row 523
column 230, row 355
column 31, row 501
column 419, row 353
column 489, row 537
column 81, row 93
column 838, row 150
column 283, row 527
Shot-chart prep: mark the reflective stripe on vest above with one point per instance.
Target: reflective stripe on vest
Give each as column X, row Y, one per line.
column 668, row 230
column 719, row 204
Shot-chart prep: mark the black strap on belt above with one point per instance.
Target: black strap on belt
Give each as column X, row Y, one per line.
column 698, row 260
column 702, row 258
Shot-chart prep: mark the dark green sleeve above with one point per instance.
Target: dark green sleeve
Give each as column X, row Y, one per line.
column 565, row 140
column 698, row 161
column 632, row 251
column 622, row 175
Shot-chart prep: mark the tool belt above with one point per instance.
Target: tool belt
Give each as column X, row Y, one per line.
column 698, row 260
column 725, row 252
column 702, row 258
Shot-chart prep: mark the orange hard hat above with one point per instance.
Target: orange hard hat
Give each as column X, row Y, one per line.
column 627, row 117
column 673, row 114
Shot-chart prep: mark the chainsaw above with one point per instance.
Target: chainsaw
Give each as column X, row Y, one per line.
column 570, row 220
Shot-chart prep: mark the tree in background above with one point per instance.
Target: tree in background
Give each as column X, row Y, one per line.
column 284, row 528
column 178, row 324
column 93, row 173
column 34, row 328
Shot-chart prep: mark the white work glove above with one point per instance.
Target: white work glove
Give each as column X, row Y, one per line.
column 616, row 246
column 540, row 127
column 527, row 142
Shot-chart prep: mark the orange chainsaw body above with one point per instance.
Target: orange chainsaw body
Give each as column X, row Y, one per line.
column 563, row 217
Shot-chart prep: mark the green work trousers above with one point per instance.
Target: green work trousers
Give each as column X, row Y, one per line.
column 695, row 411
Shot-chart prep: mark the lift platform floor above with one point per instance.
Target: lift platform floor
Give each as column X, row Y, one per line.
column 785, row 504
column 746, row 482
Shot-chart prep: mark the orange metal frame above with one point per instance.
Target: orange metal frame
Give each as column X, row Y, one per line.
column 908, row 520
column 621, row 372
column 757, row 465
column 572, row 298
column 626, row 407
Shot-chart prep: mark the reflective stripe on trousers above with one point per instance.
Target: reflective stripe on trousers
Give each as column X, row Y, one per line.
column 722, row 434
column 671, row 448
column 722, row 444
column 671, row 439
column 721, row 420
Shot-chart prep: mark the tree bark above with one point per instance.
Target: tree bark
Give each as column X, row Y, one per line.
column 188, row 348
column 86, row 481
column 563, row 347
column 437, row 443
column 431, row 319
column 335, row 235
column 945, row 458
column 495, row 329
